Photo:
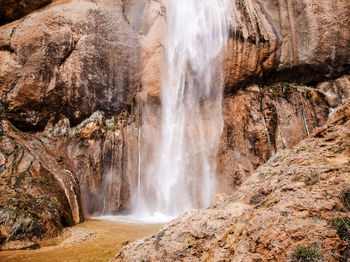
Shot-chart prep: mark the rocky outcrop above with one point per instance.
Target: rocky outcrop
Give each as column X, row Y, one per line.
column 78, row 57
column 290, row 113
column 294, row 207
column 63, row 63
column 287, row 41
column 71, row 59
column 336, row 91
column 269, row 41
column 39, row 195
column 103, row 154
column 15, row 9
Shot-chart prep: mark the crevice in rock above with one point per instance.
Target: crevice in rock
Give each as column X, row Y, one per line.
column 7, row 48
column 70, row 51
column 11, row 10
column 124, row 11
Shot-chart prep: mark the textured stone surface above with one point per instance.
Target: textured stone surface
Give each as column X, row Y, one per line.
column 14, row 9
column 39, row 195
column 72, row 59
column 288, row 41
column 62, row 63
column 294, row 41
column 289, row 201
column 103, row 154
column 336, row 91
column 244, row 144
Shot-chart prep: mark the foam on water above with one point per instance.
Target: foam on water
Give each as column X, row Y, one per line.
column 181, row 176
column 155, row 218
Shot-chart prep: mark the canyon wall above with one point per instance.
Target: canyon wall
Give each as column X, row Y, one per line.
column 293, row 208
column 74, row 75
column 270, row 41
column 39, row 196
column 68, row 59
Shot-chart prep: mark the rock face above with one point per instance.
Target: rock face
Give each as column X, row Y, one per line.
column 287, row 41
column 290, row 113
column 14, row 9
column 39, row 195
column 270, row 41
column 337, row 91
column 100, row 152
column 71, row 59
column 295, row 202
column 78, row 74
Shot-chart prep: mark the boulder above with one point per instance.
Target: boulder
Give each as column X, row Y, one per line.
column 39, row 195
column 70, row 59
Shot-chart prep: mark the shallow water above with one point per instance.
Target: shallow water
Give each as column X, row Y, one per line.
column 109, row 237
column 154, row 218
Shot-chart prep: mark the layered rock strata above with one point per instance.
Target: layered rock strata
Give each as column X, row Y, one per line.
column 39, row 195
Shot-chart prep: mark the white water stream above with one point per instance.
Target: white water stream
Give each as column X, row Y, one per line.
column 272, row 150
column 182, row 174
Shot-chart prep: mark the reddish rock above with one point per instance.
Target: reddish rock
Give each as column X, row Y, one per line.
column 14, row 9
column 269, row 41
column 72, row 59
column 245, row 146
column 337, row 91
column 103, row 154
column 39, row 196
column 290, row 201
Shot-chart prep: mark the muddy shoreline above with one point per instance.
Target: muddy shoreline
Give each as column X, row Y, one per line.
column 93, row 240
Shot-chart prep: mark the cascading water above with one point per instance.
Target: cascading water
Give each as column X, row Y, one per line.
column 304, row 115
column 266, row 129
column 182, row 174
column 284, row 142
column 305, row 120
column 139, row 131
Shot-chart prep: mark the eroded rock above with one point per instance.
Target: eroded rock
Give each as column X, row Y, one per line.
column 72, row 59
column 102, row 153
column 269, row 41
column 39, row 196
column 291, row 112
column 290, row 201
column 14, row 9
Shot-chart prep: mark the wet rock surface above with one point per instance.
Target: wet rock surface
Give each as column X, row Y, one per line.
column 287, row 41
column 39, row 196
column 61, row 64
column 290, row 113
column 102, row 153
column 289, row 204
column 269, row 41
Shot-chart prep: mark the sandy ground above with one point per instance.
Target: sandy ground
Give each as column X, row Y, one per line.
column 93, row 240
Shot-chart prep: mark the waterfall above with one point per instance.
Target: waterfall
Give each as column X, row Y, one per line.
column 265, row 126
column 139, row 132
column 304, row 115
column 305, row 120
column 284, row 142
column 182, row 173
